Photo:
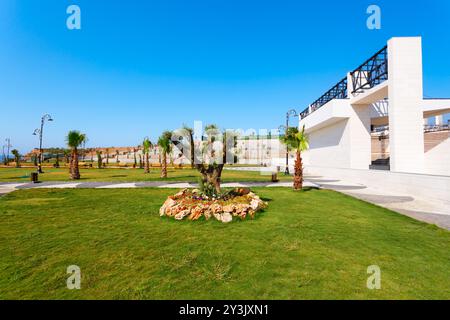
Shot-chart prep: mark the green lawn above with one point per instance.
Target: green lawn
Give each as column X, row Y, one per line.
column 125, row 175
column 314, row 244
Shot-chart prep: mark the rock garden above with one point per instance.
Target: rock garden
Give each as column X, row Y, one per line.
column 238, row 203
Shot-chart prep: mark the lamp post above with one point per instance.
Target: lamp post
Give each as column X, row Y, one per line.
column 40, row 132
column 4, row 156
column 8, row 145
column 290, row 113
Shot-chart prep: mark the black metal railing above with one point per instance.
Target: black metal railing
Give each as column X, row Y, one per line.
column 371, row 73
column 339, row 91
column 436, row 127
column 426, row 128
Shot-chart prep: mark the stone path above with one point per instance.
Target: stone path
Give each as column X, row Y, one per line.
column 431, row 211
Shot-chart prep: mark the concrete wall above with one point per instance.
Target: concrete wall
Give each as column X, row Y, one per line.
column 330, row 146
column 437, row 160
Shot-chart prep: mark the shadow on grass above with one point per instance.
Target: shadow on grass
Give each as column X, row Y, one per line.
column 307, row 189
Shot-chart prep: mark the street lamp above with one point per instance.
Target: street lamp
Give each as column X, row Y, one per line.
column 290, row 113
column 7, row 145
column 40, row 132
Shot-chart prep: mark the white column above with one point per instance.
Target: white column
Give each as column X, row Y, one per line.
column 360, row 139
column 405, row 112
column 359, row 126
column 439, row 120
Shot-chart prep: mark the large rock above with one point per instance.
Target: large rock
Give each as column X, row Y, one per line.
column 196, row 212
column 169, row 203
column 180, row 215
column 226, row 217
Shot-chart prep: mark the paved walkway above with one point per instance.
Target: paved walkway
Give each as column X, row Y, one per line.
column 431, row 211
column 9, row 187
column 427, row 210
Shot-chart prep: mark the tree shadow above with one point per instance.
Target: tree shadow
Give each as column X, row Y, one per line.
column 307, row 189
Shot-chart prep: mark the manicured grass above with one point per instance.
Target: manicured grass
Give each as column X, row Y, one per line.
column 123, row 174
column 314, row 244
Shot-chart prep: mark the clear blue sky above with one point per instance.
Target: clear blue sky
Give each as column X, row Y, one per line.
column 139, row 67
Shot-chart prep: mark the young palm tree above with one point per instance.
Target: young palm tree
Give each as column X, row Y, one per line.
column 16, row 155
column 99, row 158
column 134, row 157
column 74, row 140
column 165, row 147
column 146, row 146
column 57, row 160
column 298, row 141
column 107, row 155
column 66, row 156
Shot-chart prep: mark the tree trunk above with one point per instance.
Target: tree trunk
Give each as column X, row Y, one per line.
column 214, row 179
column 298, row 172
column 71, row 164
column 211, row 175
column 147, row 164
column 75, row 174
column 164, row 165
column 99, row 161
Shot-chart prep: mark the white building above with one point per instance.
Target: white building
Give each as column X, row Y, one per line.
column 385, row 91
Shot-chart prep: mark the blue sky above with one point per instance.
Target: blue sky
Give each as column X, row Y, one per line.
column 137, row 67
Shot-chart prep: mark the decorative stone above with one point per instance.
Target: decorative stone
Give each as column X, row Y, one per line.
column 182, row 214
column 226, row 217
column 187, row 203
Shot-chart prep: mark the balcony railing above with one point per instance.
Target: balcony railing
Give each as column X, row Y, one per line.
column 369, row 74
column 426, row 128
column 339, row 91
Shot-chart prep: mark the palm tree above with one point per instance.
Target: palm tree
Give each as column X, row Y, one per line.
column 165, row 147
column 57, row 160
column 107, row 155
column 146, row 145
column 74, row 139
column 298, row 141
column 134, row 156
column 66, row 156
column 16, row 155
column 140, row 161
column 99, row 159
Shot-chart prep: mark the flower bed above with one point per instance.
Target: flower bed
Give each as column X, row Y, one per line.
column 192, row 205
